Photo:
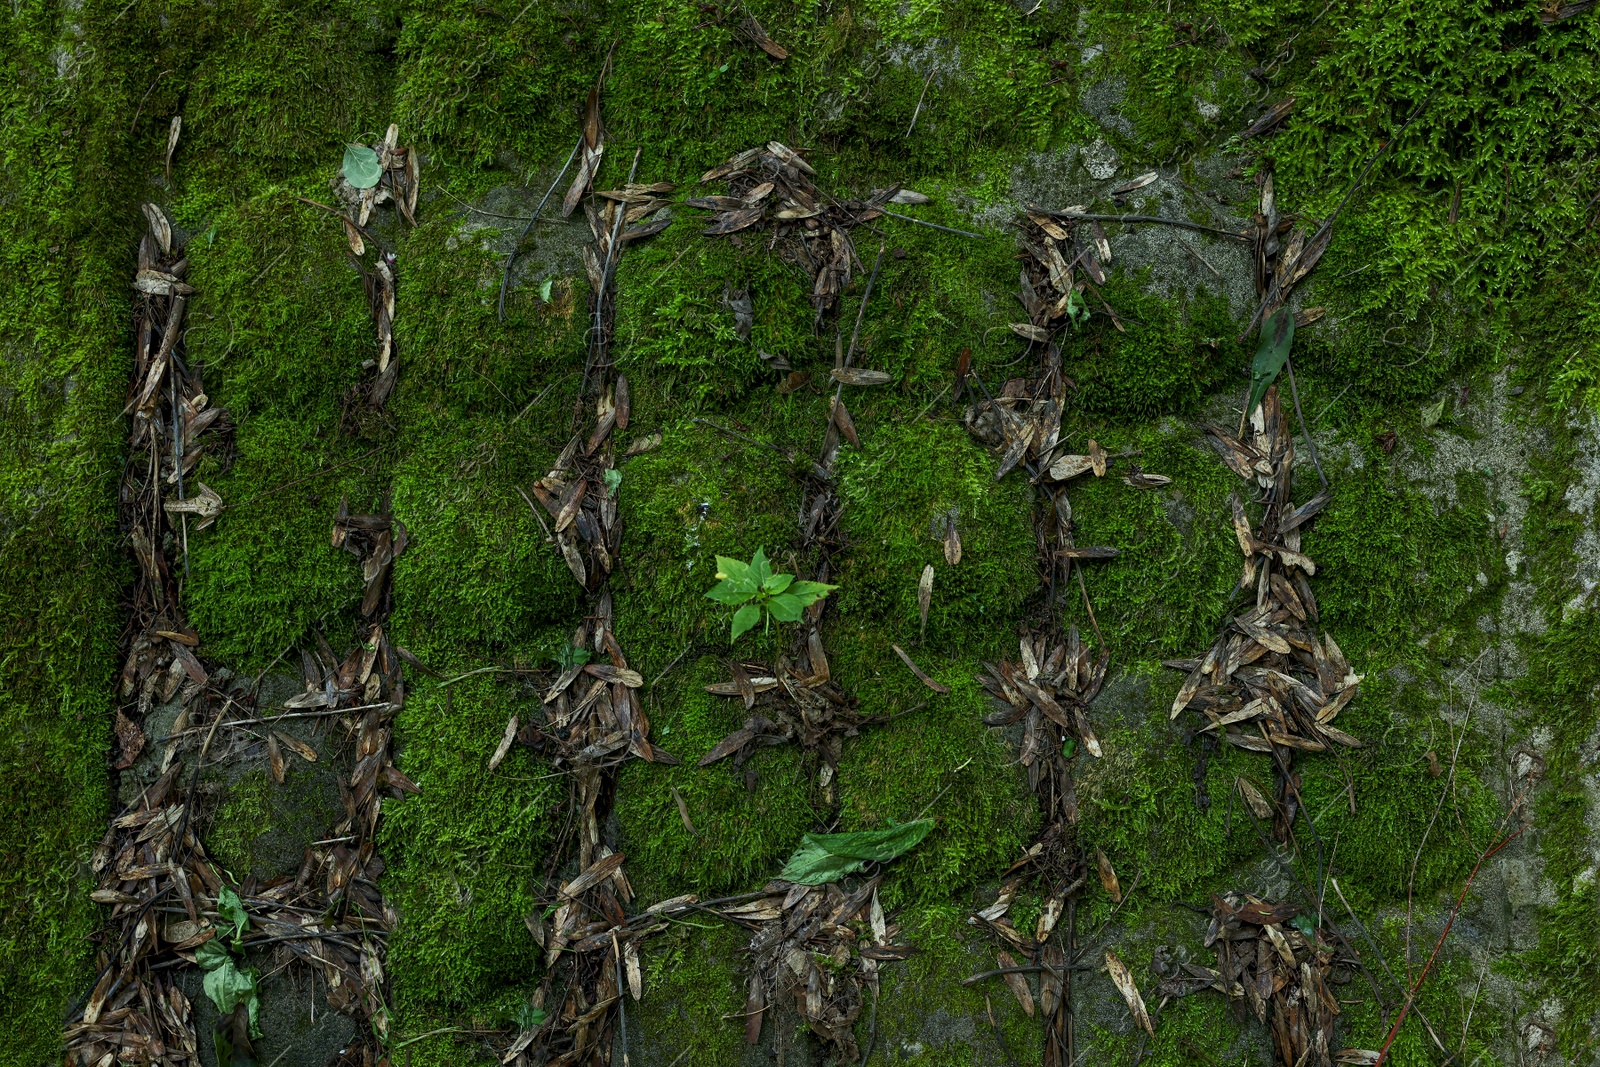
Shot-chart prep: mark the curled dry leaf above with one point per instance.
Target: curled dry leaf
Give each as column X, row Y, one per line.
column 299, row 747
column 1108, row 876
column 172, row 140
column 1125, row 984
column 925, row 594
column 1253, row 797
column 952, row 543
column 683, row 811
column 859, row 376
column 505, row 742
column 922, row 677
column 1136, row 184
column 1030, row 332
column 1018, row 984
column 1097, row 458
column 275, row 758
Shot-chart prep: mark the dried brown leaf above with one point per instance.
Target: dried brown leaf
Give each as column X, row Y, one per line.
column 923, row 678
column 1018, row 984
column 505, row 742
column 952, row 543
column 1125, row 984
column 1108, row 876
column 275, row 758
column 859, row 376
column 925, row 594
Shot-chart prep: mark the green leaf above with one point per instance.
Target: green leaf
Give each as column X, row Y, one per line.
column 759, row 567
column 572, row 656
column 1305, row 924
column 613, row 478
column 728, row 592
column 1068, row 747
column 228, row 987
column 1077, row 310
column 1276, row 335
column 232, row 909
column 212, row 954
column 785, row 608
column 743, row 619
column 736, row 571
column 544, row 290
column 1432, row 414
column 815, row 590
column 776, row 583
column 361, row 167
column 828, row 857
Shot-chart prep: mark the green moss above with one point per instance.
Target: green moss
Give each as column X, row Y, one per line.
column 1169, row 354
column 742, row 834
column 282, row 328
column 898, row 491
column 466, row 856
column 263, row 830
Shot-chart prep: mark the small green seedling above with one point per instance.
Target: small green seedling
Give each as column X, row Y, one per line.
column 756, row 590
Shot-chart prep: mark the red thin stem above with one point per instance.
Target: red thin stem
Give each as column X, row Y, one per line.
column 1411, row 996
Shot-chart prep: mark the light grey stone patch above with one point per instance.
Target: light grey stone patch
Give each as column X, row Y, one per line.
column 1102, row 102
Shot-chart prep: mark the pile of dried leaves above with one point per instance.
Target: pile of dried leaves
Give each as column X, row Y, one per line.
column 821, row 946
column 794, row 701
column 773, row 187
column 1267, row 683
column 592, row 719
column 1281, row 969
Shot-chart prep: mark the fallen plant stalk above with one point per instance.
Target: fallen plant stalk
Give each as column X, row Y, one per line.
column 1411, row 994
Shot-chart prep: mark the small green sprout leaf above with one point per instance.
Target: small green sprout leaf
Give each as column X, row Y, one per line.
column 757, row 590
column 1277, row 333
column 785, row 607
column 232, row 909
column 545, row 289
column 613, row 478
column 361, row 167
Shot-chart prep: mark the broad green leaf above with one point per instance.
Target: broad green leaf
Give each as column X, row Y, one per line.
column 232, row 909
column 736, row 571
column 545, row 289
column 785, row 608
column 743, row 619
column 1305, row 924
column 361, row 167
column 759, row 565
column 828, row 857
column 613, row 478
column 212, row 954
column 814, row 590
column 1432, row 414
column 228, row 987
column 572, row 656
column 776, row 583
column 1277, row 333
column 1068, row 747
column 728, row 592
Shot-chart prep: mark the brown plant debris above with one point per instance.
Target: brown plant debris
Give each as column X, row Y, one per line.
column 399, row 183
column 821, row 945
column 1268, row 684
column 592, row 718
column 774, row 188
column 1277, row 971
